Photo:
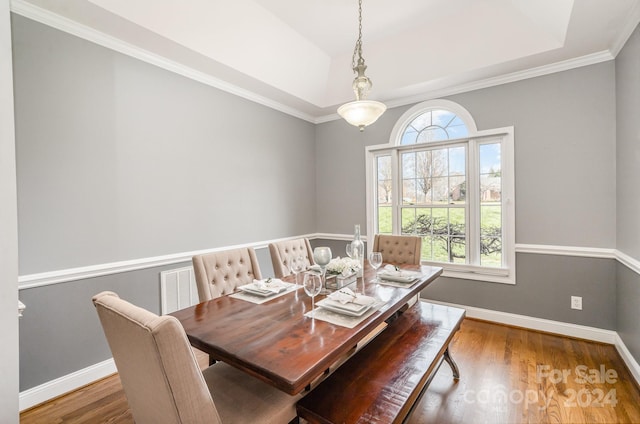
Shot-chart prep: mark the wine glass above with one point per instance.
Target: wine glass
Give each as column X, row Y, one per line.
column 375, row 260
column 322, row 256
column 296, row 265
column 312, row 286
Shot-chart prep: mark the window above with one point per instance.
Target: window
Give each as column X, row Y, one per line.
column 442, row 179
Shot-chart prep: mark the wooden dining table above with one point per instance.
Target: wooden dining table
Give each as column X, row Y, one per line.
column 275, row 341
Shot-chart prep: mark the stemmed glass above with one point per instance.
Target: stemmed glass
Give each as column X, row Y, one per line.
column 296, row 265
column 322, row 256
column 375, row 260
column 312, row 286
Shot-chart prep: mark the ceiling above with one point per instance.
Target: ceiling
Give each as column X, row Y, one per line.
column 295, row 55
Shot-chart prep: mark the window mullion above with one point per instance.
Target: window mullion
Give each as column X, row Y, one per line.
column 396, row 220
column 473, row 203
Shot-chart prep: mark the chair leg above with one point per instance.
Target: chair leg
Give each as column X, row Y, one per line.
column 296, row 420
column 452, row 364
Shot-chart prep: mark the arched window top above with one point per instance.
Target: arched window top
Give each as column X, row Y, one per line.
column 431, row 121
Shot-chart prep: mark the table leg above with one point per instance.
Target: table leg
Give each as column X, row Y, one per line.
column 452, row 364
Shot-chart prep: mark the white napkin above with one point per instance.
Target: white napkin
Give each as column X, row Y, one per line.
column 274, row 285
column 396, row 274
column 346, row 295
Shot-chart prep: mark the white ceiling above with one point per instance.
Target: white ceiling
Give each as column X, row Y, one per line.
column 295, row 55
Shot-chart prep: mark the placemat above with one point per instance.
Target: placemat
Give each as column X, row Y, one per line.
column 262, row 299
column 344, row 320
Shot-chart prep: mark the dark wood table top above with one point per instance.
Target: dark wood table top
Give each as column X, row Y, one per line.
column 275, row 342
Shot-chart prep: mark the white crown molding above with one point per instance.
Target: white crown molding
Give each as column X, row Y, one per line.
column 65, row 384
column 61, row 23
column 49, row 18
column 627, row 29
column 565, row 65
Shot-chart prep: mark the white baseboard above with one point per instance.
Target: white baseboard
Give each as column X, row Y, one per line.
column 539, row 324
column 628, row 359
column 65, row 384
column 555, row 327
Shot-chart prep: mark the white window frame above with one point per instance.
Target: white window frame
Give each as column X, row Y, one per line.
column 505, row 135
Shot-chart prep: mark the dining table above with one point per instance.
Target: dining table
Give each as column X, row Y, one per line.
column 280, row 342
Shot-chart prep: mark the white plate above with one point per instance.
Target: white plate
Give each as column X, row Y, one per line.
column 350, row 309
column 252, row 289
column 407, row 278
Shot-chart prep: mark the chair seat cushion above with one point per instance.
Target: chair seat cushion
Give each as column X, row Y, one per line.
column 241, row 398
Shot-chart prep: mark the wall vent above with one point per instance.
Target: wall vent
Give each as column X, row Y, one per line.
column 177, row 289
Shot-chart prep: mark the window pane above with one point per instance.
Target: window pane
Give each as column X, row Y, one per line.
column 384, row 167
column 459, row 250
column 442, row 118
column 408, row 220
column 490, row 158
column 440, row 190
column 440, row 162
column 409, row 137
column 457, row 131
column 409, row 165
column 423, row 221
column 421, row 121
column 440, row 249
column 384, row 220
column 457, row 161
column 457, row 222
column 408, row 192
column 490, row 189
column 427, row 251
column 491, row 235
column 432, row 134
column 457, row 190
column 491, row 254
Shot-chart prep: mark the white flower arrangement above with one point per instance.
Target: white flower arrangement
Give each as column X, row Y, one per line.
column 343, row 266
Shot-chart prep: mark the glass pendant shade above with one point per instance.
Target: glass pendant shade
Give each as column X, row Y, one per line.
column 361, row 113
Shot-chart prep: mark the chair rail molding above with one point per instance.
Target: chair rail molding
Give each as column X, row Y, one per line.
column 29, row 281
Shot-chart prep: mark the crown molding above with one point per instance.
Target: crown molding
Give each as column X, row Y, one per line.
column 565, row 65
column 61, row 23
column 627, row 29
column 69, row 26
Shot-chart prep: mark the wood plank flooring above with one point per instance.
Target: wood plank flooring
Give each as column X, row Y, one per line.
column 508, row 375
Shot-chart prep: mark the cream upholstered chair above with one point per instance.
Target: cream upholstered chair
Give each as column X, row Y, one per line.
column 398, row 249
column 162, row 380
column 282, row 253
column 220, row 273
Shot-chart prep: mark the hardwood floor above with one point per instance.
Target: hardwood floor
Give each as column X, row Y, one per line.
column 508, row 375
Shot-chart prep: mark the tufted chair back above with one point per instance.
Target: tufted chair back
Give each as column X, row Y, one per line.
column 398, row 249
column 220, row 273
column 282, row 253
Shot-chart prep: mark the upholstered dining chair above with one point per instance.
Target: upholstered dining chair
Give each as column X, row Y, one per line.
column 220, row 273
column 282, row 252
column 162, row 380
column 398, row 249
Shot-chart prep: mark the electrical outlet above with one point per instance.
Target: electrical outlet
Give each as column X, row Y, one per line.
column 576, row 302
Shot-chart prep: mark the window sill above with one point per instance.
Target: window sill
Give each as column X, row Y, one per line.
column 470, row 272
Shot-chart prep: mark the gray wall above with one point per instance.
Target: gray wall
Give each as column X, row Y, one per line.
column 119, row 159
column 628, row 190
column 9, row 377
column 565, row 183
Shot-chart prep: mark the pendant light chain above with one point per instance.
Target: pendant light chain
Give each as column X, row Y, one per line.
column 358, row 49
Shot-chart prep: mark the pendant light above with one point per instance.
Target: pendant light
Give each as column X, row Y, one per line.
column 361, row 112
